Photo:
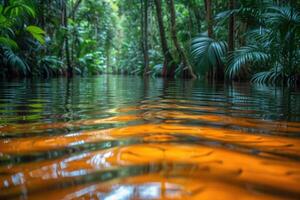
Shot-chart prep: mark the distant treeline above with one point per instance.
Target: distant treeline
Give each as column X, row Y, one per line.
column 233, row 40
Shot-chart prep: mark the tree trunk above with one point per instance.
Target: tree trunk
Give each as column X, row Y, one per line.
column 42, row 14
column 169, row 65
column 231, row 26
column 186, row 65
column 42, row 20
column 195, row 12
column 107, row 53
column 209, row 18
column 5, row 3
column 198, row 18
column 191, row 24
column 218, row 71
column 66, row 38
column 75, row 8
column 72, row 46
column 145, row 31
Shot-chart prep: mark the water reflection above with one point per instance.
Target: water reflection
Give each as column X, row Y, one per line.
column 126, row 138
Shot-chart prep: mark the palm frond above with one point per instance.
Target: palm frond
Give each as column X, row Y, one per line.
column 208, row 52
column 17, row 8
column 15, row 61
column 260, row 36
column 157, row 70
column 5, row 41
column 246, row 55
column 272, row 76
column 282, row 16
column 249, row 12
column 37, row 33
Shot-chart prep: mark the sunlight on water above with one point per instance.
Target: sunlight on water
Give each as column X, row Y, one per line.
column 126, row 138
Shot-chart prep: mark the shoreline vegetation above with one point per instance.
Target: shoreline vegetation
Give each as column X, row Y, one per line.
column 234, row 40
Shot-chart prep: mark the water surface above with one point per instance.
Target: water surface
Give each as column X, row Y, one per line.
column 113, row 137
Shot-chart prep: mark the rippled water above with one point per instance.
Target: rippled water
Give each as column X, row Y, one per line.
column 121, row 138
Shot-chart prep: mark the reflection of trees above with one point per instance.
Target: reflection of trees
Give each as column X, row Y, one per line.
column 267, row 102
column 99, row 156
column 20, row 102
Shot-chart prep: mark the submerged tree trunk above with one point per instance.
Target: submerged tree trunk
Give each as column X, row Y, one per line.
column 145, row 31
column 186, row 65
column 169, row 65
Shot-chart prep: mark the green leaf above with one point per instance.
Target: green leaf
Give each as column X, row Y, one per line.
column 250, row 54
column 2, row 19
column 8, row 42
column 29, row 10
column 35, row 30
column 208, row 53
column 18, row 8
column 15, row 61
column 37, row 33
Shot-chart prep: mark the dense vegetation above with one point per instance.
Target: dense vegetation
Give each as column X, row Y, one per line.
column 256, row 40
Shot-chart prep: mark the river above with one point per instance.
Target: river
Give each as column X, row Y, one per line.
column 123, row 137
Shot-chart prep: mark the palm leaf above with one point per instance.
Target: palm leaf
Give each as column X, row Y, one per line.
column 15, row 61
column 282, row 16
column 5, row 41
column 17, row 8
column 246, row 55
column 37, row 33
column 208, row 52
column 272, row 76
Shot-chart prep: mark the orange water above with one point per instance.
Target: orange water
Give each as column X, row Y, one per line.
column 126, row 138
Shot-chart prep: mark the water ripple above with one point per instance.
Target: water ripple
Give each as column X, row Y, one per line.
column 114, row 137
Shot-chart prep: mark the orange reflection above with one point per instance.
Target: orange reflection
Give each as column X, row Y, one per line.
column 110, row 120
column 208, row 169
column 156, row 111
column 282, row 145
column 176, row 160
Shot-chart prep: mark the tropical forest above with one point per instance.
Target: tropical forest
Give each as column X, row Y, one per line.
column 150, row 99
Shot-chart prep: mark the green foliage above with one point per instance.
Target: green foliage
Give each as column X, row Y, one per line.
column 37, row 33
column 273, row 48
column 272, row 76
column 250, row 12
column 18, row 8
column 93, row 37
column 13, row 38
column 93, row 63
column 49, row 66
column 157, row 70
column 208, row 53
column 8, row 42
column 246, row 55
column 33, row 51
column 13, row 60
